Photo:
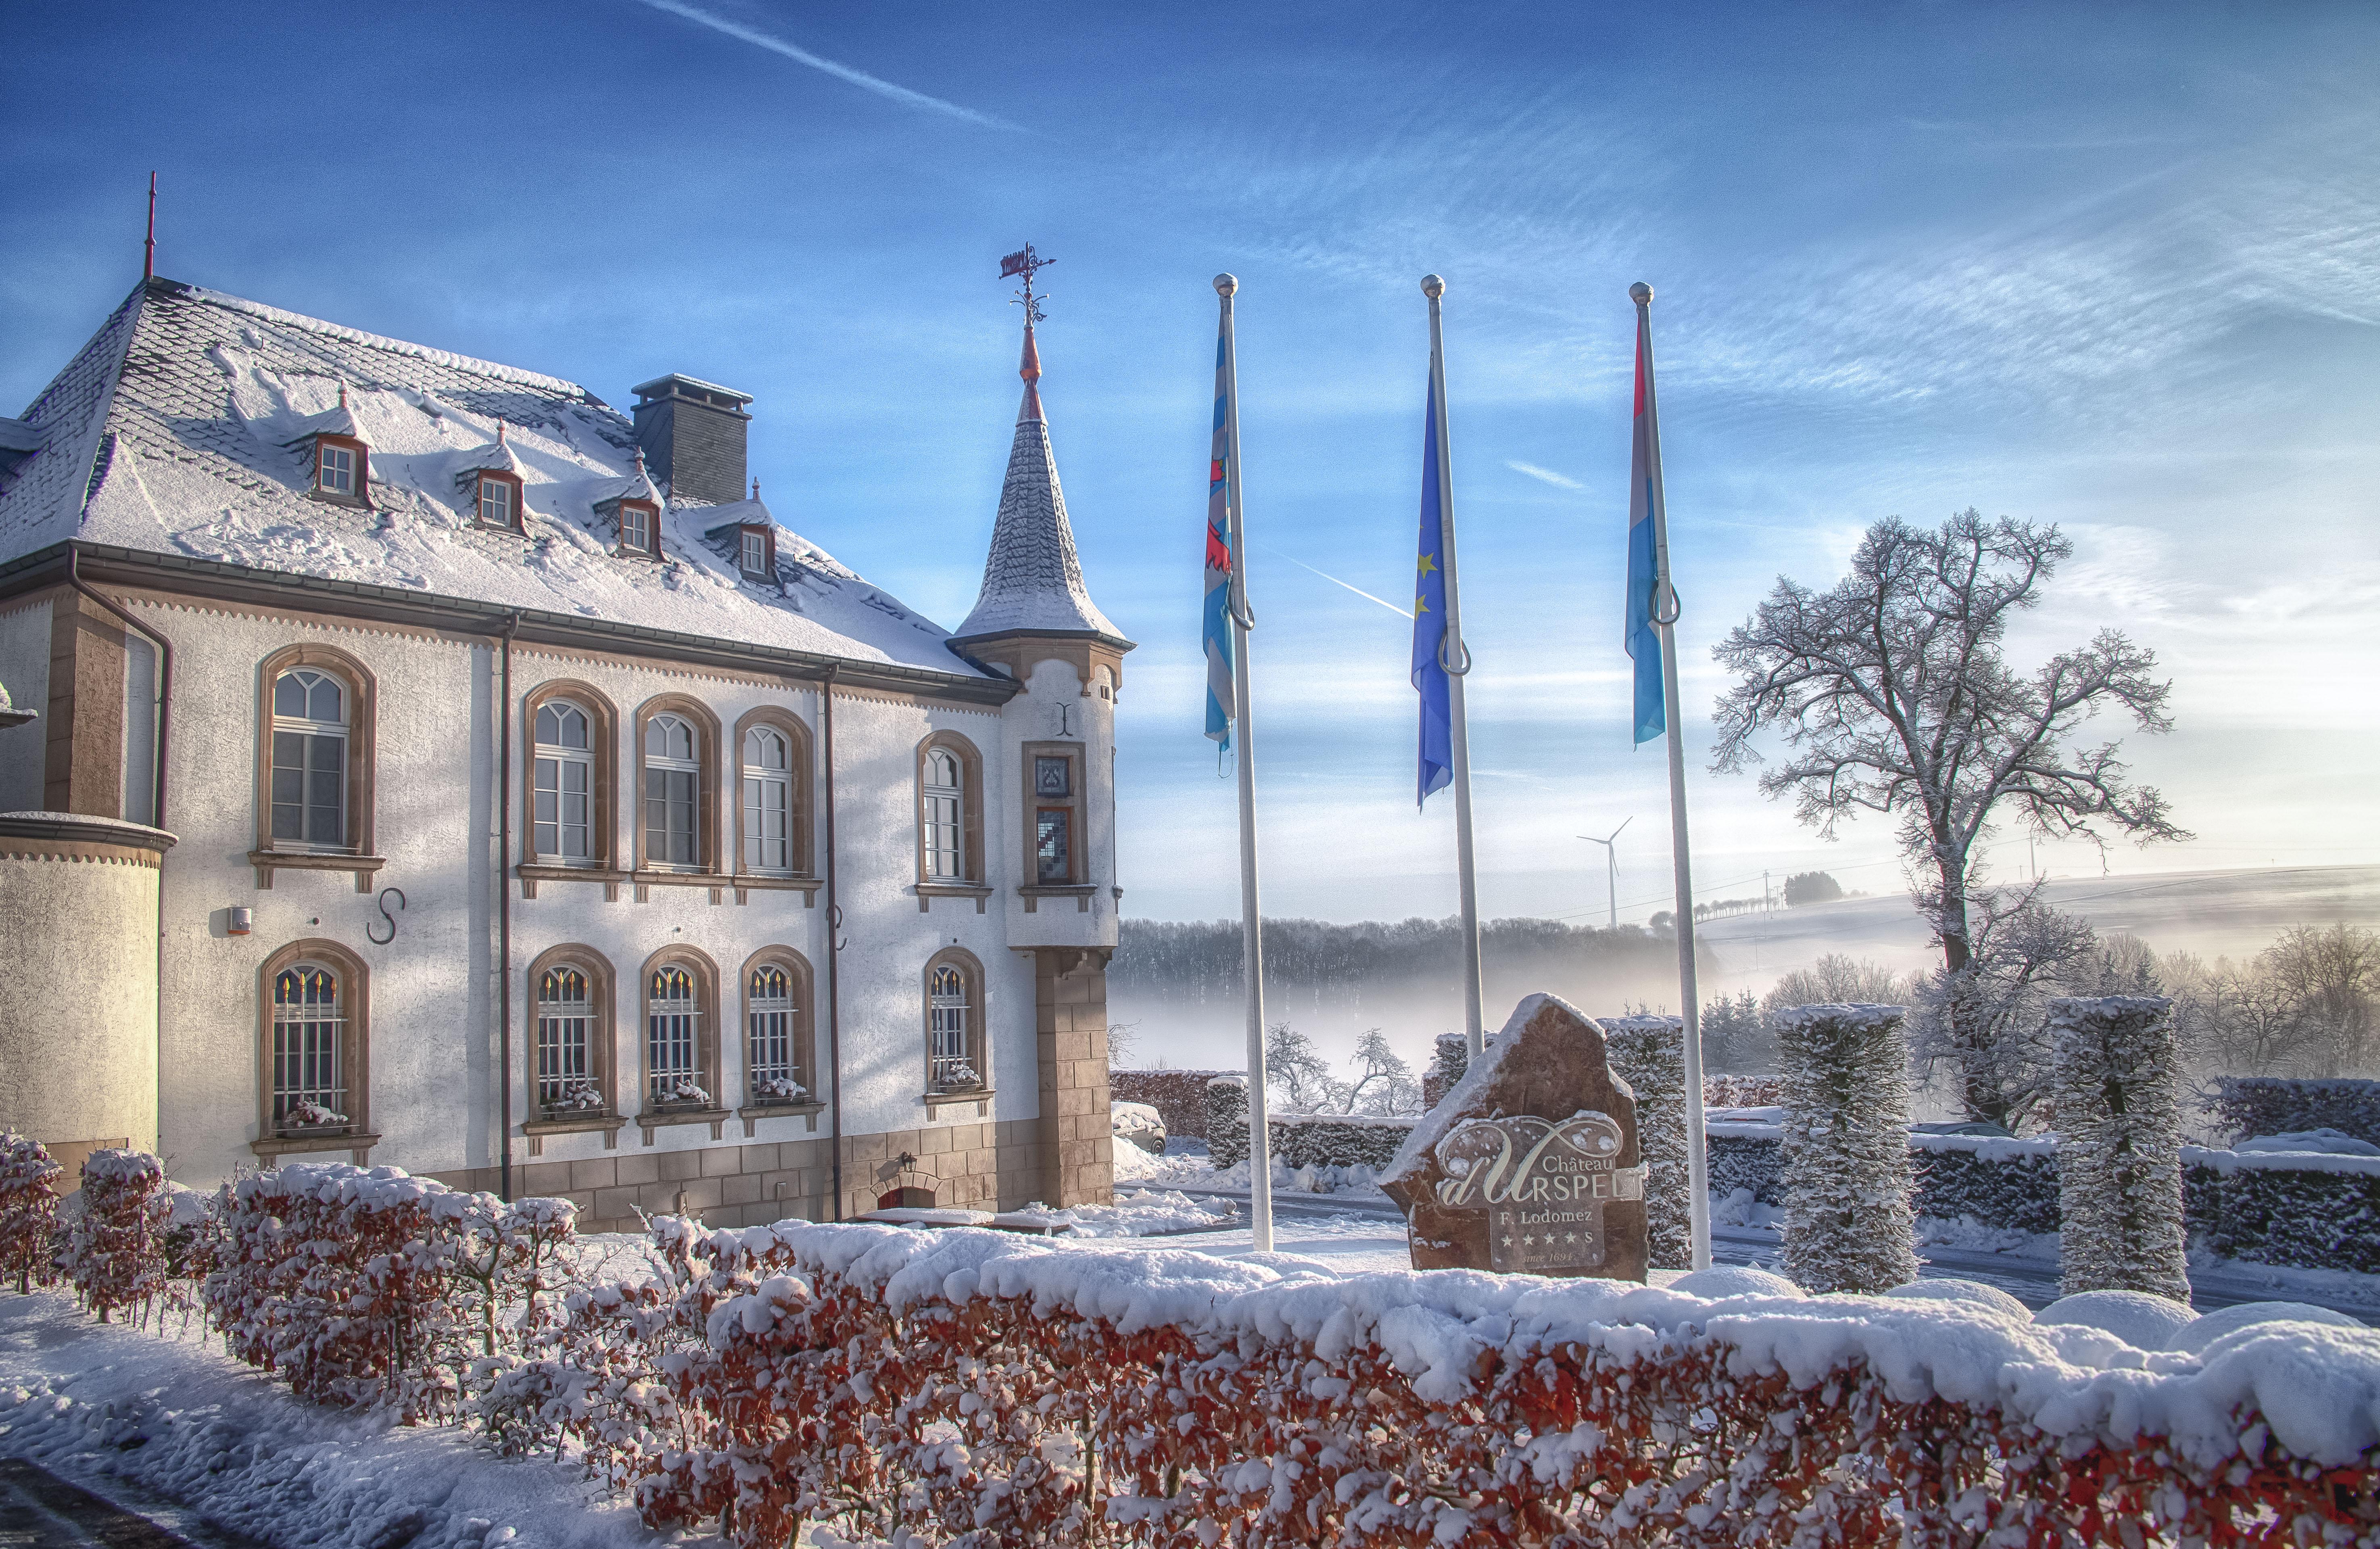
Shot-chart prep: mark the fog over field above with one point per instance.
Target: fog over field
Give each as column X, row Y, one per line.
column 1183, row 1006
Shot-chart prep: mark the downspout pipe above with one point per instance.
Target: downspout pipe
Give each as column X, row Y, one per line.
column 834, row 938
column 505, row 913
column 164, row 674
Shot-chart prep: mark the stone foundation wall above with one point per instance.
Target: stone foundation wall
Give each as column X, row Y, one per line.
column 992, row 1165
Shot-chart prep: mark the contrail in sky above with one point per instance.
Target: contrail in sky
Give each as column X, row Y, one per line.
column 1545, row 475
column 860, row 79
column 1334, row 580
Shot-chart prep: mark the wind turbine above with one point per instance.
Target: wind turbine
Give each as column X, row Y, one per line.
column 1611, row 857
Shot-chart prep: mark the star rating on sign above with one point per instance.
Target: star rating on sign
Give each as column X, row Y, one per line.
column 1507, row 1241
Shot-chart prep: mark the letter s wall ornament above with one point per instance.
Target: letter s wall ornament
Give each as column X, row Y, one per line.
column 381, row 902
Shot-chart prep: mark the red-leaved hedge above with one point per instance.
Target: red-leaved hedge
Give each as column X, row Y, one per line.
column 885, row 1382
column 29, row 1212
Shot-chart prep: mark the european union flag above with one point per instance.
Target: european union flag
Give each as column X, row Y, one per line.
column 1429, row 621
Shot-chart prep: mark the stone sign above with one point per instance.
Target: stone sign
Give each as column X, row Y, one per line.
column 1530, row 1163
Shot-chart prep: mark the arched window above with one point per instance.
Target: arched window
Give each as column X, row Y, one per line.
column 955, row 1058
column 564, row 815
column 565, row 1044
column 311, row 720
column 943, row 814
column 768, row 801
column 310, row 1065
column 674, row 1038
column 672, row 791
column 776, row 1047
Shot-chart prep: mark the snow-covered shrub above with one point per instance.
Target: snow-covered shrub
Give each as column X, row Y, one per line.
column 1226, row 1120
column 1649, row 1053
column 2117, row 1083
column 1847, row 1184
column 2008, row 1184
column 29, row 1210
column 115, row 1250
column 682, row 1092
column 310, row 1114
column 370, row 1287
column 2251, row 1106
column 1335, row 1140
column 1750, row 1162
column 576, row 1097
column 779, row 1088
column 1450, row 1057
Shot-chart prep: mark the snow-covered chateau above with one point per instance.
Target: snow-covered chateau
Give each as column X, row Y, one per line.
column 431, row 765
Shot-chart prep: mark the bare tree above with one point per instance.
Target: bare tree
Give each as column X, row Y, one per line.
column 1294, row 1067
column 1384, row 1083
column 1990, row 1023
column 1892, row 695
column 2333, row 978
column 1836, row 979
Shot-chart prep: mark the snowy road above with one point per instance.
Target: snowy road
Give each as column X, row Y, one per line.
column 2031, row 1281
column 39, row 1510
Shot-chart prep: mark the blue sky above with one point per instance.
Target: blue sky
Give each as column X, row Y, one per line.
column 2116, row 267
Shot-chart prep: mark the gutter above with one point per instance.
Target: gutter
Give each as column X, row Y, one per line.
column 504, row 917
column 227, row 583
column 834, row 945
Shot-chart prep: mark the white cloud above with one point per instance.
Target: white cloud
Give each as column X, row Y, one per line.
column 1544, row 475
column 858, row 77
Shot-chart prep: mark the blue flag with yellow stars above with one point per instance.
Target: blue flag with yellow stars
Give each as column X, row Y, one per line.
column 1429, row 622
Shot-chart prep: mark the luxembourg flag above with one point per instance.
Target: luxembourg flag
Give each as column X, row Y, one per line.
column 1643, row 640
column 1217, row 628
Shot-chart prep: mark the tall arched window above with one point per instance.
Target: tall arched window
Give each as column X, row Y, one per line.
column 672, row 791
column 565, row 789
column 565, row 1044
column 943, row 815
column 772, row 1028
column 673, row 1037
column 310, row 1033
column 955, row 1059
column 768, row 801
column 310, row 719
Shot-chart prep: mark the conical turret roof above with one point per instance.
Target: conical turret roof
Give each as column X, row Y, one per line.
column 1032, row 580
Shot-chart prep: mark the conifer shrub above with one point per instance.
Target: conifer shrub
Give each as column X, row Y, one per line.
column 1649, row 1053
column 2117, row 1085
column 1847, row 1185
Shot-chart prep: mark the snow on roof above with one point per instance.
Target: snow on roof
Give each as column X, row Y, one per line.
column 184, row 428
column 1032, row 580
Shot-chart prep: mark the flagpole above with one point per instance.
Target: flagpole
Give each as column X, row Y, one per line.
column 1450, row 652
column 1251, row 914
column 1665, row 617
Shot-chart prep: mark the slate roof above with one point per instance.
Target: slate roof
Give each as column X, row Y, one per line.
column 183, row 428
column 1032, row 580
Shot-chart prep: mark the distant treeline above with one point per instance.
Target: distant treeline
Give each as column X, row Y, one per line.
column 1313, row 965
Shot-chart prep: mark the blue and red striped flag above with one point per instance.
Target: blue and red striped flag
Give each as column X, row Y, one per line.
column 1643, row 640
column 1217, row 629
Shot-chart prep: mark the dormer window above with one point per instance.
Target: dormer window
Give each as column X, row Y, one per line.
column 637, row 521
column 495, row 502
column 753, row 553
column 342, row 469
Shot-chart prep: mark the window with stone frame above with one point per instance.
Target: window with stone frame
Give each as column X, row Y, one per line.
column 1055, row 836
column 566, row 1083
column 314, row 1009
column 768, row 815
column 950, row 811
column 954, row 1049
column 776, row 1029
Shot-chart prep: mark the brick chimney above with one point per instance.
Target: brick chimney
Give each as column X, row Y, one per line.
column 692, row 433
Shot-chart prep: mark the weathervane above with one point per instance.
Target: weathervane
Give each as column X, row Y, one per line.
column 1026, row 261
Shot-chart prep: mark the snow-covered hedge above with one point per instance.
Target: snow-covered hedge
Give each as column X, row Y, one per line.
column 116, row 1249
column 1743, row 1092
column 1179, row 1097
column 2251, row 1106
column 971, row 1387
column 29, row 1210
column 1847, row 1187
column 1298, row 1139
column 2117, row 1085
column 2308, row 1211
column 370, row 1286
column 1998, row 1182
column 1649, row 1053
